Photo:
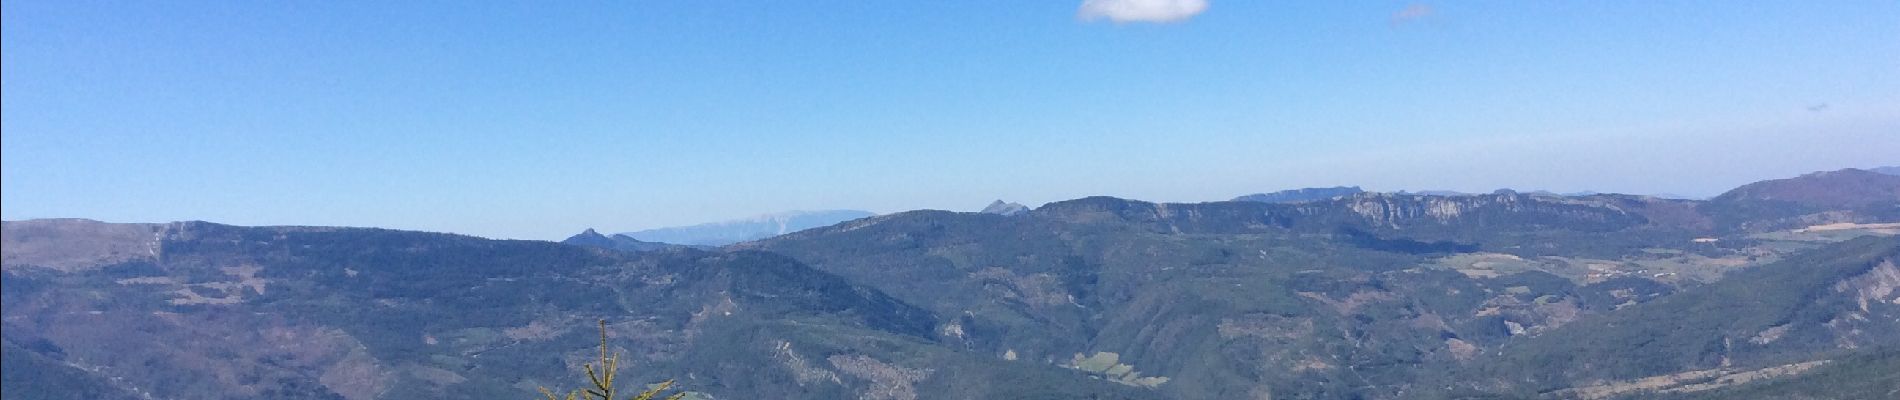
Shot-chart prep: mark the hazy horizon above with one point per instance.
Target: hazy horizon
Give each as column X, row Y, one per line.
column 523, row 121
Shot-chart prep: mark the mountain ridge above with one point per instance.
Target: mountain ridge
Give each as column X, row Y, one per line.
column 367, row 313
column 1301, row 195
column 746, row 229
column 620, row 242
column 1370, row 295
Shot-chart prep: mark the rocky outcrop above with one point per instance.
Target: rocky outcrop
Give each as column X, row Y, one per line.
column 70, row 245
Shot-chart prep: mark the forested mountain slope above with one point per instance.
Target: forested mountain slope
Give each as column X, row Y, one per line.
column 1361, row 296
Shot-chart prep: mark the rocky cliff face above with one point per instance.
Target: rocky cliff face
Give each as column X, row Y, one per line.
column 1497, row 209
column 78, row 244
column 1438, row 217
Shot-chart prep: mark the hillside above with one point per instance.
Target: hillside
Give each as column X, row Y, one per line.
column 237, row 312
column 39, row 375
column 1815, row 306
column 1364, row 296
column 1371, row 295
column 1848, row 195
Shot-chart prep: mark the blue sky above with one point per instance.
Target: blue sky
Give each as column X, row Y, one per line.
column 526, row 120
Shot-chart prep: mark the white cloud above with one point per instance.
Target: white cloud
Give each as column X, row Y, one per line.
column 1412, row 13
column 1141, row 10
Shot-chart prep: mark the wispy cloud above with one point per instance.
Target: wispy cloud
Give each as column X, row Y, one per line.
column 1123, row 11
column 1412, row 13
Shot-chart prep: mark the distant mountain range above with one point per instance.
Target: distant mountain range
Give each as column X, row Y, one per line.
column 1784, row 288
column 1886, row 170
column 1301, row 195
column 620, row 242
column 748, row 229
column 1002, row 208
